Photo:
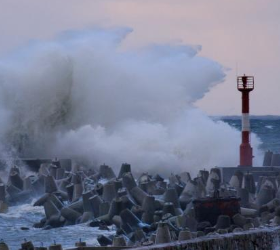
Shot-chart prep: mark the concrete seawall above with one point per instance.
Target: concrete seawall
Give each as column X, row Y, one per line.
column 261, row 239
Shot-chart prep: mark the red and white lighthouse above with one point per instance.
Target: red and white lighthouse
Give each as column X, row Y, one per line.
column 245, row 84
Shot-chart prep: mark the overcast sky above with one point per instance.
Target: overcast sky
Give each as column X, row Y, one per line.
column 241, row 35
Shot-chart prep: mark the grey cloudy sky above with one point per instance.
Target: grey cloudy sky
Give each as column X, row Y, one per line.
column 232, row 32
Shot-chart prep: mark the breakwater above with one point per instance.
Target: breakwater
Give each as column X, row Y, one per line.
column 150, row 210
column 260, row 239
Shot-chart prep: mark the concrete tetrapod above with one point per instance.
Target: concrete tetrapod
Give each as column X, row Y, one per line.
column 162, row 234
column 50, row 185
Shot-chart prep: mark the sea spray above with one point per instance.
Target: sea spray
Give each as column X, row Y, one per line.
column 82, row 96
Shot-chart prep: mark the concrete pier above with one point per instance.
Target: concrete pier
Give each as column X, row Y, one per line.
column 258, row 239
column 257, row 172
column 261, row 239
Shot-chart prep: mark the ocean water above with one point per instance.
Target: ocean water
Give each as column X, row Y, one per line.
column 25, row 215
column 267, row 128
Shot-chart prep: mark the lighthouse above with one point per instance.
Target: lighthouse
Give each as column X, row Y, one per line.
column 245, row 84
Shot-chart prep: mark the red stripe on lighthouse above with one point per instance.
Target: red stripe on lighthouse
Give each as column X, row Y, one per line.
column 245, row 84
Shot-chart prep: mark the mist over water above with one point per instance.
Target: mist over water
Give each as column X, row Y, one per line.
column 82, row 96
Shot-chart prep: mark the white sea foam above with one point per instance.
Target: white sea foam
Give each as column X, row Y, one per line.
column 82, row 96
column 23, row 210
column 269, row 126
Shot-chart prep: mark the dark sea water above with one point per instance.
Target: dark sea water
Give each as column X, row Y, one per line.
column 26, row 215
column 266, row 128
